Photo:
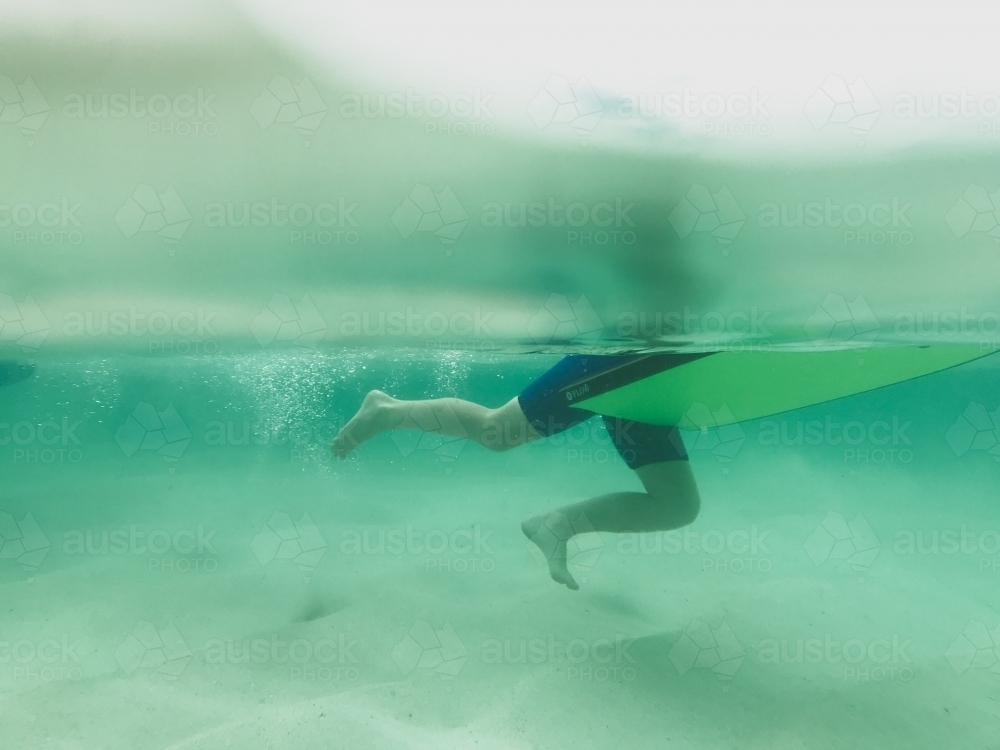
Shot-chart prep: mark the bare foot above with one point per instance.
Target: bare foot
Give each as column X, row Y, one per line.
column 550, row 532
column 374, row 416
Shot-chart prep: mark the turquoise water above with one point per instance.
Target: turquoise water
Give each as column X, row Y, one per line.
column 174, row 538
column 207, row 295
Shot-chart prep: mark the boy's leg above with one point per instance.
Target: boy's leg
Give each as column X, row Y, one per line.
column 497, row 429
column 670, row 501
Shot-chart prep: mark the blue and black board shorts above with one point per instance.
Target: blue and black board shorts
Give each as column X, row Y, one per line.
column 547, row 403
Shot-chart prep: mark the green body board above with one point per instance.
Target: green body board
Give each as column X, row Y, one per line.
column 729, row 387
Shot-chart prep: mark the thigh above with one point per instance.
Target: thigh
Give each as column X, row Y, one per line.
column 542, row 402
column 510, row 418
column 641, row 444
column 669, row 479
column 672, row 484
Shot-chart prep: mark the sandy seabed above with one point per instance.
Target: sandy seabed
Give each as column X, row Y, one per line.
column 392, row 602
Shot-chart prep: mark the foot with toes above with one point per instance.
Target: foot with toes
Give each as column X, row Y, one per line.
column 374, row 416
column 550, row 532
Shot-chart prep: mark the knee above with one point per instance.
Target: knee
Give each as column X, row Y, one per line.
column 684, row 507
column 689, row 509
